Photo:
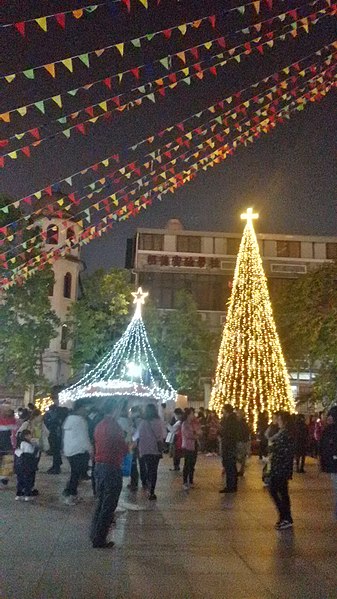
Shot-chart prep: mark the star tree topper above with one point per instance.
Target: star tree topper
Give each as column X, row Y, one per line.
column 139, row 299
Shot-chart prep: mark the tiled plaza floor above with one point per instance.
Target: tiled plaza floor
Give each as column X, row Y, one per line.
column 186, row 546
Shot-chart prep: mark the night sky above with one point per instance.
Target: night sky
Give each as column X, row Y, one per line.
column 288, row 175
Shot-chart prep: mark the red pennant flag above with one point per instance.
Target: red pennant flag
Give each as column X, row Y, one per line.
column 26, row 150
column 222, row 42
column 197, row 67
column 20, row 27
column 116, row 100
column 212, row 20
column 161, row 90
column 80, row 127
column 293, row 14
column 195, row 53
column 172, row 77
column 35, row 133
column 135, row 72
column 213, row 71
column 3, row 143
column 2, row 162
column 167, row 33
column 269, row 3
column 61, row 19
column 90, row 111
column 107, row 82
column 259, row 48
column 181, row 126
column 248, row 47
column 48, row 191
column 127, row 4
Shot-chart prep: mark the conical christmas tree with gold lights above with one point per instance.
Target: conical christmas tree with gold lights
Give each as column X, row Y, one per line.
column 251, row 372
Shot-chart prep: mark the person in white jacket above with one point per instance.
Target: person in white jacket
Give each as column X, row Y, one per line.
column 76, row 447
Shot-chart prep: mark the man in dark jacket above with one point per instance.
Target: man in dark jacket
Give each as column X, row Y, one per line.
column 229, row 438
column 281, row 470
column 328, row 450
column 243, row 441
column 53, row 419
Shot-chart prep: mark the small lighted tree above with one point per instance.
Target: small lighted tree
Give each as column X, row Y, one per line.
column 251, row 372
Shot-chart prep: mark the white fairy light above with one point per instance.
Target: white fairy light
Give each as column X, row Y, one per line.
column 129, row 369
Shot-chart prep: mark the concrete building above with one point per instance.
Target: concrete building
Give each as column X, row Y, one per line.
column 167, row 260
column 60, row 228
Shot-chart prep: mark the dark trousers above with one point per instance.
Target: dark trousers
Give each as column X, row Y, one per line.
column 300, row 461
column 151, row 464
column 189, row 465
column 109, row 482
column 78, row 465
column 134, row 477
column 229, row 464
column 55, row 449
column 278, row 489
column 177, row 455
column 25, row 482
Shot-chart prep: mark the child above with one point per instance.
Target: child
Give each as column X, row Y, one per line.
column 25, row 463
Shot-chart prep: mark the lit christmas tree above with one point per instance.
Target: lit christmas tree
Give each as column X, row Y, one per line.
column 251, row 372
column 130, row 369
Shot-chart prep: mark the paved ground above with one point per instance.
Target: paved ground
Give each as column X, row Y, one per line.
column 196, row 545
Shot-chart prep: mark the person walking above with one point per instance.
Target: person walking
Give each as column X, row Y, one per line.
column 77, row 448
column 176, row 443
column 301, row 442
column 243, row 441
column 328, row 451
column 281, row 470
column 229, row 439
column 150, row 436
column 53, row 419
column 136, row 418
column 110, row 449
column 189, row 439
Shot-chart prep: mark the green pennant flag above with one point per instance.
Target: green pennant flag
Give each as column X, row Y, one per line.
column 40, row 106
column 219, row 119
column 187, row 80
column 85, row 59
column 66, row 133
column 62, row 120
column 151, row 97
column 150, row 36
column 237, row 58
column 72, row 92
column 29, row 73
column 241, row 10
column 136, row 42
column 165, row 62
column 69, row 180
column 5, row 209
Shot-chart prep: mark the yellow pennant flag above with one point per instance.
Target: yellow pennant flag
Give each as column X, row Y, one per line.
column 182, row 28
column 10, row 78
column 120, row 48
column 144, row 3
column 42, row 22
column 103, row 105
column 22, row 111
column 182, row 56
column 57, row 100
column 68, row 63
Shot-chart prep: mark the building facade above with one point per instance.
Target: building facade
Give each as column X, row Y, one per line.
column 59, row 230
column 167, row 260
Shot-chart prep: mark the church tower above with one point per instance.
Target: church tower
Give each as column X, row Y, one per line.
column 59, row 228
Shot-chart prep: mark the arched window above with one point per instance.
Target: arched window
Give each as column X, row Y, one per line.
column 52, row 235
column 67, row 285
column 71, row 236
column 64, row 336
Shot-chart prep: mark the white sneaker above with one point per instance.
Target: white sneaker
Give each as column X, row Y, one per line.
column 186, row 487
column 29, row 498
column 69, row 500
column 19, row 498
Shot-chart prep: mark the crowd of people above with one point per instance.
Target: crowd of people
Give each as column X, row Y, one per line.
column 109, row 440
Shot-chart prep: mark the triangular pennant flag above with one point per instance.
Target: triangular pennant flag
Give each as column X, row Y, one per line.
column 136, row 42
column 66, row 133
column 103, row 105
column 197, row 23
column 135, row 72
column 120, row 48
column 85, row 59
column 42, row 22
column 68, row 63
column 241, row 9
column 50, row 68
column 61, row 19
column 107, row 82
column 165, row 62
column 78, row 13
column 257, row 6
column 10, row 78
column 20, row 27
column 40, row 106
column 29, row 73
column 26, row 150
column 99, row 52
column 22, row 110
column 57, row 100
column 208, row 45
column 182, row 56
column 182, row 28
column 6, row 117
column 151, row 97
column 144, row 3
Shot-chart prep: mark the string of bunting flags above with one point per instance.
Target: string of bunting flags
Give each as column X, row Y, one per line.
column 271, row 107
column 179, row 179
column 120, row 47
column 174, row 81
column 298, row 68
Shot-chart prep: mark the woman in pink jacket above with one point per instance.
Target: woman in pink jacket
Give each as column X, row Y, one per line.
column 189, row 440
